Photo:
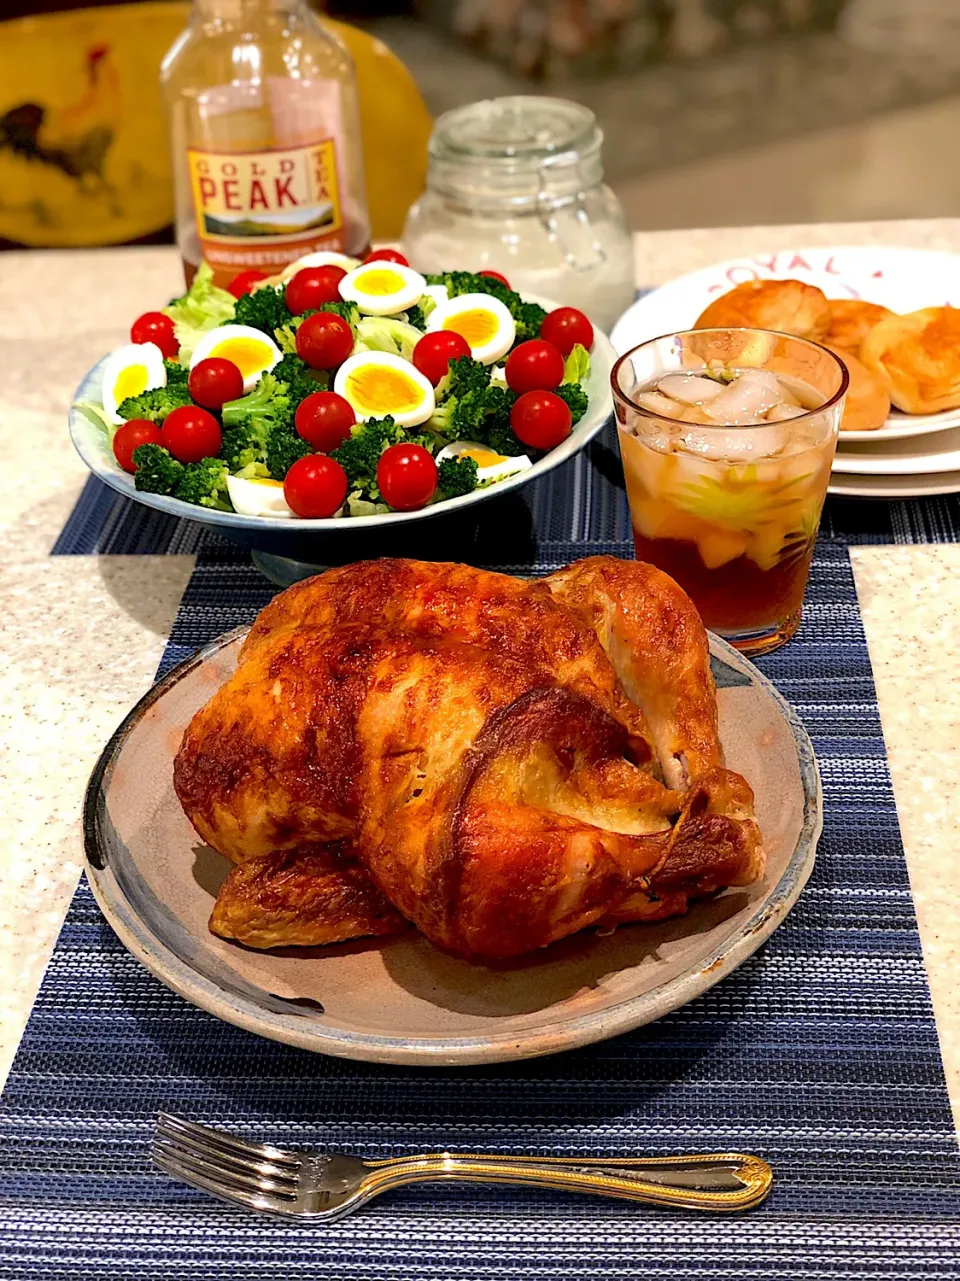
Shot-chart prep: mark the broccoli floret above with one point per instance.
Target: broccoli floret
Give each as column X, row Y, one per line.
column 501, row 438
column 177, row 375
column 456, row 476
column 264, row 309
column 301, row 380
column 266, row 407
column 575, row 397
column 475, row 414
column 154, row 405
column 527, row 316
column 463, row 375
column 204, row 483
column 360, row 452
column 283, row 449
column 348, row 311
column 157, row 472
column 242, row 447
column 415, row 316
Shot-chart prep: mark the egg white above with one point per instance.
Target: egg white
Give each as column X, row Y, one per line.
column 322, row 258
column 146, row 355
column 410, row 287
column 439, row 293
column 500, row 470
column 257, row 497
column 210, row 344
column 343, row 386
column 505, row 331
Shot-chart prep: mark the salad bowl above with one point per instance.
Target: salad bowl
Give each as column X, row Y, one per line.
column 321, row 541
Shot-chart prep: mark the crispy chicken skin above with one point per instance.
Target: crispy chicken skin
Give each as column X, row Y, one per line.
column 303, row 900
column 493, row 748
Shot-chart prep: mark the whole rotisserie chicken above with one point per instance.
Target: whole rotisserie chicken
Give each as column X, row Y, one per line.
column 500, row 761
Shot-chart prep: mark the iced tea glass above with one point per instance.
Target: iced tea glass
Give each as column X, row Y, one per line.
column 731, row 509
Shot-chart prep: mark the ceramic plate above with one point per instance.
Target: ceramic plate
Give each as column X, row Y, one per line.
column 92, row 445
column 918, row 456
column 846, row 485
column 901, row 279
column 401, row 1000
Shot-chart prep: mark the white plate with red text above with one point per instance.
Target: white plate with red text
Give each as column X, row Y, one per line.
column 901, row 279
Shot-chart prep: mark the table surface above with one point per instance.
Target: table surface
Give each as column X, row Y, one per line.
column 83, row 634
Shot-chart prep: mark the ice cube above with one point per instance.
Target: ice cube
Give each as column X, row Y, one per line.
column 657, row 403
column 747, row 399
column 690, row 389
column 780, row 413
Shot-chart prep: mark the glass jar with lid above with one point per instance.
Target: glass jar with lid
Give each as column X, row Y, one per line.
column 515, row 185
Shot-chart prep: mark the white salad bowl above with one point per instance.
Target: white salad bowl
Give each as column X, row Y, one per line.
column 292, row 537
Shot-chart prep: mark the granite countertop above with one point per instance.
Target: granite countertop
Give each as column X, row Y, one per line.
column 83, row 635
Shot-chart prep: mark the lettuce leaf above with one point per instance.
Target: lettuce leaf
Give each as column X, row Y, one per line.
column 203, row 307
column 577, row 365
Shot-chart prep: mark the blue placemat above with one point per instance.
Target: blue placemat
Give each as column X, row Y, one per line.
column 820, row 1053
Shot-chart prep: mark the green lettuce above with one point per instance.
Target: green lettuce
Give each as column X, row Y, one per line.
column 577, row 365
column 203, row 307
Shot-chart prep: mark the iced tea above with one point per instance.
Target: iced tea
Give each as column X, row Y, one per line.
column 727, row 438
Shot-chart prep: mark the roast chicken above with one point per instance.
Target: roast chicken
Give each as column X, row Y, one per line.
column 498, row 762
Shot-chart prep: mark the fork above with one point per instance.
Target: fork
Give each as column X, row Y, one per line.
column 323, row 1186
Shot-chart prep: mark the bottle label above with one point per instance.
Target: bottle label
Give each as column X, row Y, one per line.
column 265, row 208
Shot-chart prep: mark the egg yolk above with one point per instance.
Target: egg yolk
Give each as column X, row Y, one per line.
column 131, row 381
column 269, row 484
column 247, row 354
column 381, row 282
column 482, row 457
column 478, row 327
column 378, row 389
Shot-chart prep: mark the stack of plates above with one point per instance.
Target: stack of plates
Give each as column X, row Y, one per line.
column 912, row 455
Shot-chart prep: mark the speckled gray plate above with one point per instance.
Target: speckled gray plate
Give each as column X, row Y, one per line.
column 401, row 1000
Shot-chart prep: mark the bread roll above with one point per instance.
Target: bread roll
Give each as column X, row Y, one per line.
column 788, row 306
column 867, row 405
column 917, row 357
column 851, row 319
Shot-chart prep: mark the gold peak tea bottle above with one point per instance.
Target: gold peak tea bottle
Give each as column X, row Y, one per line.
column 265, row 128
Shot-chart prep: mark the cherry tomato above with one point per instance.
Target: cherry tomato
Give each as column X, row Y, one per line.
column 323, row 419
column 137, row 432
column 495, row 275
column 540, row 419
column 315, row 486
column 566, row 327
column 324, row 341
column 312, row 287
column 214, row 381
column 154, row 326
column 244, row 282
column 386, row 255
column 534, row 366
column 407, row 477
column 434, row 351
column 191, row 434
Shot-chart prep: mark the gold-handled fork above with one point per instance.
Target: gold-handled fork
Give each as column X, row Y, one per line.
column 321, row 1187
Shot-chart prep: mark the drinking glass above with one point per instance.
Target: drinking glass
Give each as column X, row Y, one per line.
column 729, row 510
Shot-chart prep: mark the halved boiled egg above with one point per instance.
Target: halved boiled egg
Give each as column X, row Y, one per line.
column 257, row 497
column 490, row 465
column 377, row 383
column 322, row 258
column 128, row 371
column 480, row 318
column 382, row 288
column 253, row 353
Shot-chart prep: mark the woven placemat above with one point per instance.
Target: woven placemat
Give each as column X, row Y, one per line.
column 820, row 1053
